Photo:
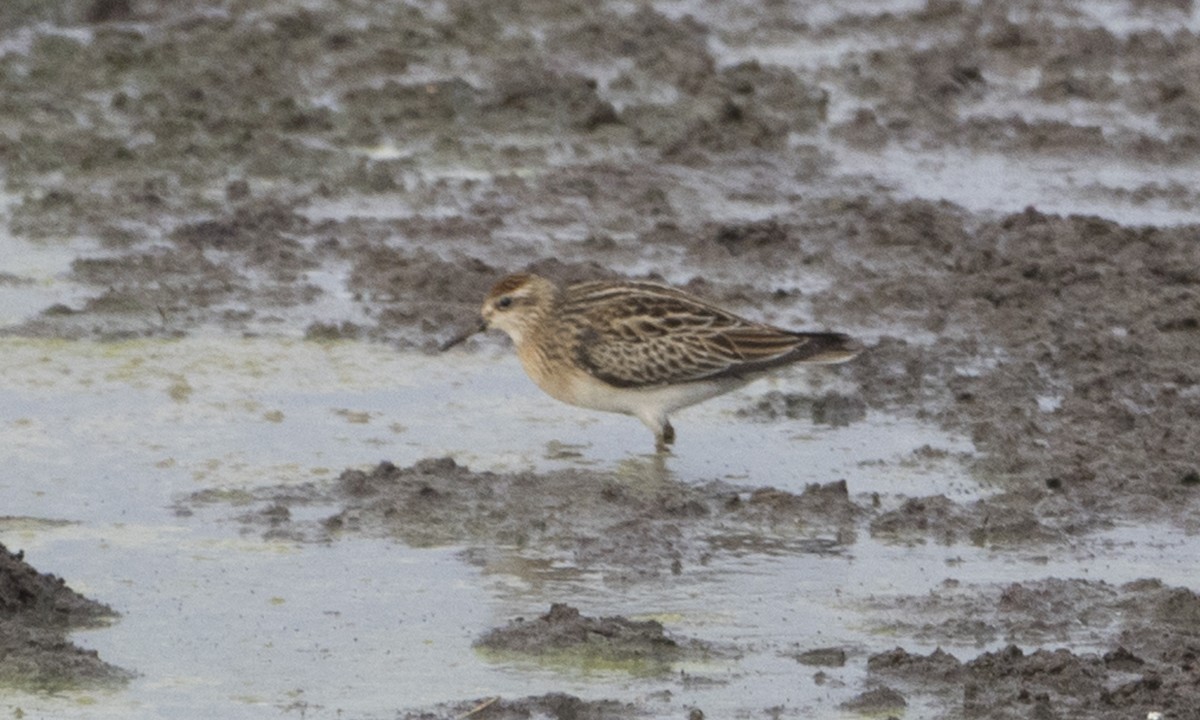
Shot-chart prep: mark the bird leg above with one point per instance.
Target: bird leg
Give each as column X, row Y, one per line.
column 664, row 437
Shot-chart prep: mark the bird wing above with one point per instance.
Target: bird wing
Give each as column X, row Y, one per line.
column 640, row 335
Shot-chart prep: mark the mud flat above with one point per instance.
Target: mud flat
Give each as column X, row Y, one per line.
column 999, row 198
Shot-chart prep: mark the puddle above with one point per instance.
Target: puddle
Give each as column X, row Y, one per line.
column 106, row 436
column 253, row 411
column 31, row 278
column 239, row 627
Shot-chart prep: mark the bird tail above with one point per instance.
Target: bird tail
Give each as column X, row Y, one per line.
column 827, row 348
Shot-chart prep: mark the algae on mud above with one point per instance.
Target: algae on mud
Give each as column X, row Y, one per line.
column 36, row 613
column 563, row 637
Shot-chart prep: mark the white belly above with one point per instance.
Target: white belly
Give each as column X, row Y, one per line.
column 658, row 401
column 650, row 405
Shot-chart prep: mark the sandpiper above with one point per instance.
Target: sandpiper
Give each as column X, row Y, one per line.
column 640, row 348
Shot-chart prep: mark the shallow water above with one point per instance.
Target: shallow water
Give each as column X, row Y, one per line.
column 164, row 417
column 107, row 436
column 36, row 269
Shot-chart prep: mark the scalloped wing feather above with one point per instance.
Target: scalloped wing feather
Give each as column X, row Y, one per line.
column 638, row 334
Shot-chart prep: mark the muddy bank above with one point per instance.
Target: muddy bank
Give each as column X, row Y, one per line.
column 1059, row 350
column 638, row 526
column 1145, row 638
column 37, row 612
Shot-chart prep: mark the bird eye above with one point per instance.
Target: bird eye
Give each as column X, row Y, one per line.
column 504, row 302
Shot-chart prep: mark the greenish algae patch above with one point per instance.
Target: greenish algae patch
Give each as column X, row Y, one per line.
column 563, row 638
column 582, row 660
column 200, row 365
column 79, row 670
column 25, row 524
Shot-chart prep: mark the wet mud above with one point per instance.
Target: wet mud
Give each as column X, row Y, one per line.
column 637, row 525
column 558, row 706
column 366, row 173
column 1144, row 634
column 564, row 635
column 37, row 611
column 646, row 525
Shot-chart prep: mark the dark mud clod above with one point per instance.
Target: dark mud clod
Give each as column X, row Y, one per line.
column 36, row 613
column 564, row 634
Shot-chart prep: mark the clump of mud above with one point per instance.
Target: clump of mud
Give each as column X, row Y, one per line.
column 37, row 611
column 877, row 701
column 554, row 706
column 565, row 636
